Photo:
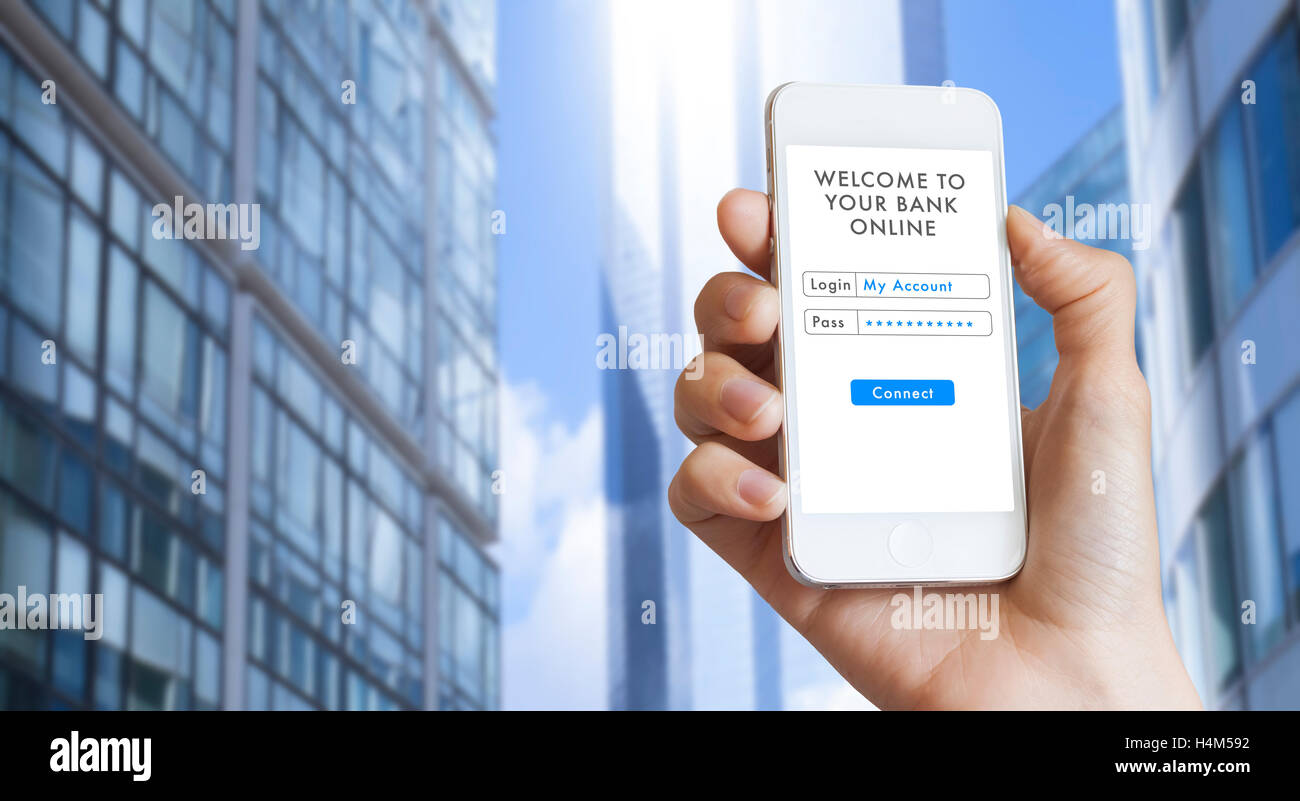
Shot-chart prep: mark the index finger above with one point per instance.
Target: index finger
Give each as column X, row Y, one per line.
column 745, row 222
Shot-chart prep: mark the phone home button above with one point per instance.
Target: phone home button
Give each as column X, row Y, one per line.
column 910, row 544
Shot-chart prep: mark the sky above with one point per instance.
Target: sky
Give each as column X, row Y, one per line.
column 552, row 522
column 1052, row 79
column 549, row 190
column 1053, row 69
column 1052, row 66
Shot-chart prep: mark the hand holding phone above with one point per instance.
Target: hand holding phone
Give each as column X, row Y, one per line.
column 1082, row 624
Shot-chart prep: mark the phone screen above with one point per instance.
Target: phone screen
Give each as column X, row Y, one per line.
column 899, row 331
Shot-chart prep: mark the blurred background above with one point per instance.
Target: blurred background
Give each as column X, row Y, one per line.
column 423, row 485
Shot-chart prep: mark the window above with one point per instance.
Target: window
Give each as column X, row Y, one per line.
column 124, row 209
column 1231, row 221
column 207, row 670
column 169, row 357
column 72, row 577
column 1286, row 446
column 299, row 480
column 472, row 24
column 386, row 559
column 1223, row 601
column 31, row 376
column 1185, row 619
column 33, row 261
column 83, row 281
column 468, row 628
column 114, row 513
column 1170, row 18
column 467, row 409
column 1255, row 530
column 75, row 493
column 121, row 321
column 79, row 396
column 1188, row 230
column 161, row 648
column 302, row 171
column 1275, row 128
column 92, row 38
column 39, row 124
column 468, row 644
column 87, row 172
column 26, row 553
column 129, row 80
column 27, row 460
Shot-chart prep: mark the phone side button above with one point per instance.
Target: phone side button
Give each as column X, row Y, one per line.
column 910, row 544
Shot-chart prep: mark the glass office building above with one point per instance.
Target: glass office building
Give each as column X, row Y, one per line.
column 1093, row 171
column 276, row 465
column 1212, row 97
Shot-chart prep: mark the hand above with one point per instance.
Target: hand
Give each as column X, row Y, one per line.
column 1082, row 625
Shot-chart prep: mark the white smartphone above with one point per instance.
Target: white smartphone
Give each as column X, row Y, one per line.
column 896, row 345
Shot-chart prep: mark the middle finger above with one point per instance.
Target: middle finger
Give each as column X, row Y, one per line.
column 717, row 394
column 737, row 315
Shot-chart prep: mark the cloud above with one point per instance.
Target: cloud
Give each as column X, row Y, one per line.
column 552, row 553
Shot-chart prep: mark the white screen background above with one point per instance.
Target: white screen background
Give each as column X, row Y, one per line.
column 907, row 459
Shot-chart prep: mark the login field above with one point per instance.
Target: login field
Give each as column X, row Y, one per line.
column 937, row 286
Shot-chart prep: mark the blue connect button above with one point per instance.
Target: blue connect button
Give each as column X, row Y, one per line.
column 908, row 392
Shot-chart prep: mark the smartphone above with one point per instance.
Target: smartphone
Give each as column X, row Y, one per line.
column 896, row 344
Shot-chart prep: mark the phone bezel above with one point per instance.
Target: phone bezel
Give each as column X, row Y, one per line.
column 848, row 550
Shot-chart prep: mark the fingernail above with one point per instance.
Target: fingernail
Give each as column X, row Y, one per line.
column 739, row 299
column 759, row 487
column 1047, row 229
column 744, row 399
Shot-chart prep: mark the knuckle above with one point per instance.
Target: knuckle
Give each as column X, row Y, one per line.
column 704, row 453
column 1119, row 264
column 705, row 363
column 692, row 368
column 709, row 300
column 675, row 501
column 697, row 368
column 685, row 490
column 682, row 419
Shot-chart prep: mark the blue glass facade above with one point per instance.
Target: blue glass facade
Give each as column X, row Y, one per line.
column 1216, row 311
column 332, row 517
column 332, row 553
column 99, row 440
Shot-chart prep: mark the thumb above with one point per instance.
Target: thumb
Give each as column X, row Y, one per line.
column 1091, row 293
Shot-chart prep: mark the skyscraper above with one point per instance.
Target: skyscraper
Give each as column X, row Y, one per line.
column 276, row 463
column 1212, row 101
column 649, row 616
column 674, row 149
